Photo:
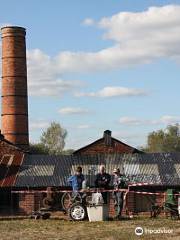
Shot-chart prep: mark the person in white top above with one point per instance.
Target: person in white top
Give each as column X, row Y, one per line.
column 118, row 183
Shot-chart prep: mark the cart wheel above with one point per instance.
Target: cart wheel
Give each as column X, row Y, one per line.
column 77, row 212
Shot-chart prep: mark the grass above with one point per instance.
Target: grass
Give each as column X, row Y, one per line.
column 62, row 229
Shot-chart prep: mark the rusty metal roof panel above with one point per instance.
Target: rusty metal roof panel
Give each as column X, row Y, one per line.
column 43, row 171
column 9, row 168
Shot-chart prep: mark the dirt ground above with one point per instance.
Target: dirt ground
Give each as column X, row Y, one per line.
column 112, row 230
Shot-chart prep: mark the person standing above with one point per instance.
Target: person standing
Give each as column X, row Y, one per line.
column 102, row 181
column 77, row 179
column 119, row 182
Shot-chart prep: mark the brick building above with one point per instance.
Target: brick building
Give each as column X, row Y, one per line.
column 36, row 173
column 106, row 144
column 11, row 158
column 23, row 175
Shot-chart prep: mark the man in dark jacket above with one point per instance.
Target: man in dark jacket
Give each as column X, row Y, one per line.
column 102, row 181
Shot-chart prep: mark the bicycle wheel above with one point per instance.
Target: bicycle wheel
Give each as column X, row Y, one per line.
column 66, row 201
column 69, row 198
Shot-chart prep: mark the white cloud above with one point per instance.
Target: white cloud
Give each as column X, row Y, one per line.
column 108, row 92
column 163, row 120
column 130, row 138
column 88, row 22
column 43, row 76
column 127, row 26
column 130, row 121
column 139, row 38
column 38, row 125
column 72, row 110
column 170, row 119
column 83, row 126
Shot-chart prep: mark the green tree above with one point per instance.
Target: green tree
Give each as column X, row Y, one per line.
column 68, row 152
column 167, row 140
column 53, row 138
column 38, row 148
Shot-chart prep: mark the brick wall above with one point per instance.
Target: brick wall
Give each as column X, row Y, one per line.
column 130, row 202
column 101, row 147
column 29, row 202
column 26, row 203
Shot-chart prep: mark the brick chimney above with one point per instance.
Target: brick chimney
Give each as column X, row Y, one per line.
column 107, row 138
column 14, row 121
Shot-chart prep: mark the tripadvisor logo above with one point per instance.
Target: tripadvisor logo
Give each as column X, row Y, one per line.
column 139, row 231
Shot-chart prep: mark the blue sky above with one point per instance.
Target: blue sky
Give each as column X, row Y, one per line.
column 97, row 65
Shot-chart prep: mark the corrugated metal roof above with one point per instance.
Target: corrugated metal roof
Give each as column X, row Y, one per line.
column 9, row 168
column 43, row 170
column 11, row 158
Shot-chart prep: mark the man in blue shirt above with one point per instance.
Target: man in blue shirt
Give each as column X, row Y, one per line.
column 77, row 179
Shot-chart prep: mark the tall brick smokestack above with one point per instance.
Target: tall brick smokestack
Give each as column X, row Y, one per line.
column 14, row 121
